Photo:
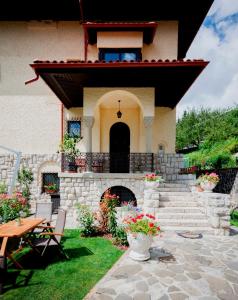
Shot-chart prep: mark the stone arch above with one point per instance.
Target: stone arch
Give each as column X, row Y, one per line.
column 125, row 194
column 129, row 185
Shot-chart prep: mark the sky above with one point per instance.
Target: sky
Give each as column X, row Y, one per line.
column 217, row 42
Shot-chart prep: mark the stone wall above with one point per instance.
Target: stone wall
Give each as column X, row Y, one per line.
column 38, row 164
column 217, row 208
column 88, row 188
column 234, row 193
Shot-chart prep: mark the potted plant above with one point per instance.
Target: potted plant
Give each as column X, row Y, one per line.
column 51, row 188
column 208, row 181
column 140, row 230
column 70, row 152
column 152, row 180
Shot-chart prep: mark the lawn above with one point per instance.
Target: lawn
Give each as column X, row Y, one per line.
column 56, row 278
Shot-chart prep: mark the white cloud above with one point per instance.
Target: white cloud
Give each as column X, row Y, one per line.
column 217, row 86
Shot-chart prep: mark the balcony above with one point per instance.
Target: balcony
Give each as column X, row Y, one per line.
column 103, row 162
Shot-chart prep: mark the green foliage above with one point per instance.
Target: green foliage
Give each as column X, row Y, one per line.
column 206, row 127
column 68, row 146
column 120, row 237
column 25, row 178
column 3, row 188
column 234, row 218
column 59, row 279
column 218, row 155
column 86, row 220
column 12, row 207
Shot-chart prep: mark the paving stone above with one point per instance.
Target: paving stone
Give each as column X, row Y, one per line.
column 194, row 276
column 142, row 286
column 164, row 273
column 218, row 284
column 141, row 296
column 102, row 297
column 125, row 271
column 152, row 280
column 176, row 268
column 145, row 274
column 180, row 277
column 123, row 297
column 173, row 289
column 164, row 297
column 231, row 278
column 207, row 298
column 233, row 265
column 178, row 296
column 106, row 291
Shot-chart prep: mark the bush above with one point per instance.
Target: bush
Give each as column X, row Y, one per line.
column 12, row 207
column 120, row 237
column 86, row 220
column 25, row 178
column 3, row 188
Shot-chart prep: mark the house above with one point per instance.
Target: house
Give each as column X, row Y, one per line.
column 110, row 72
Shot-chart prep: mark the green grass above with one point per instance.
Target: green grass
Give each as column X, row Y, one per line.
column 56, row 278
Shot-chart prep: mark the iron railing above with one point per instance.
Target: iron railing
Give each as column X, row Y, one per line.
column 103, row 162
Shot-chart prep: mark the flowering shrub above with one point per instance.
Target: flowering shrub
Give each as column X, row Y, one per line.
column 212, row 177
column 153, row 177
column 12, row 207
column 142, row 223
column 86, row 220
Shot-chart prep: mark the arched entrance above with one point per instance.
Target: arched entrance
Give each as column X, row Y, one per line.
column 126, row 196
column 119, row 148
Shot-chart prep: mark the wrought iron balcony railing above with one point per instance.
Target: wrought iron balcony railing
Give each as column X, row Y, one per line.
column 112, row 162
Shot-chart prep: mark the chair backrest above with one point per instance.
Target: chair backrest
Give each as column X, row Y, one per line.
column 44, row 210
column 60, row 223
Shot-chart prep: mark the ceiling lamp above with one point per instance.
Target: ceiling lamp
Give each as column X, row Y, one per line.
column 119, row 113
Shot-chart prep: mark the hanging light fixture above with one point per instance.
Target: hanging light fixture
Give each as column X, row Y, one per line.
column 119, row 113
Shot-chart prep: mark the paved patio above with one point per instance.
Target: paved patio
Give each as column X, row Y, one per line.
column 179, row 268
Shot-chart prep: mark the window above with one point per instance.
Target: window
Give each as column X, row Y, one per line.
column 50, row 178
column 109, row 54
column 74, row 128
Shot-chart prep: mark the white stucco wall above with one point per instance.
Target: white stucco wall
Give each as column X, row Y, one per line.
column 30, row 115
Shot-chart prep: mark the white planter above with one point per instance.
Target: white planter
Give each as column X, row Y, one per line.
column 139, row 246
column 151, row 185
column 207, row 186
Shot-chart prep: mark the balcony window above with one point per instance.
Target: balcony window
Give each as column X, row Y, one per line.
column 108, row 54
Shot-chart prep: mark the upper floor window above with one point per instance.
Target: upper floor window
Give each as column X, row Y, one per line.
column 120, row 54
column 74, row 128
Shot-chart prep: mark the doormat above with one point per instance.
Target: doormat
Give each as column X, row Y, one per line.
column 190, row 235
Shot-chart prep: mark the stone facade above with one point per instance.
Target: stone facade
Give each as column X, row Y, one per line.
column 234, row 193
column 38, row 164
column 88, row 188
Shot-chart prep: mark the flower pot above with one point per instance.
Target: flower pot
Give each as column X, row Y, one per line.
column 207, row 186
column 151, row 185
column 139, row 246
column 50, row 191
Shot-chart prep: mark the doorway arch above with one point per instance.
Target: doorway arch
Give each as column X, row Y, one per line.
column 119, row 148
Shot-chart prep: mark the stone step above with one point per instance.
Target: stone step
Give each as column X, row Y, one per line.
column 181, row 216
column 175, row 198
column 173, row 189
column 184, row 222
column 178, row 203
column 176, row 193
column 175, row 184
column 175, row 210
column 203, row 230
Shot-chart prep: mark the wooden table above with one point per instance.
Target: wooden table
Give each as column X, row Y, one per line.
column 12, row 230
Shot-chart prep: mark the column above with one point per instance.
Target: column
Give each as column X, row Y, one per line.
column 148, row 122
column 88, row 121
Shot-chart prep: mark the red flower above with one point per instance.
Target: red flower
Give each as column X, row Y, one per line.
column 151, row 225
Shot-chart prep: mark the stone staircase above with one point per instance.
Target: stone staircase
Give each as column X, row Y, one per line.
column 178, row 211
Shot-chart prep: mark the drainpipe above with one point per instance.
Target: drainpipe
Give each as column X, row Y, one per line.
column 62, row 122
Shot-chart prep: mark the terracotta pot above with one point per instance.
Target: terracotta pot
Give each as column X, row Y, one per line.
column 50, row 191
column 139, row 246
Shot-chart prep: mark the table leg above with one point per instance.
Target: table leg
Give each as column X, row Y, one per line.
column 3, row 263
